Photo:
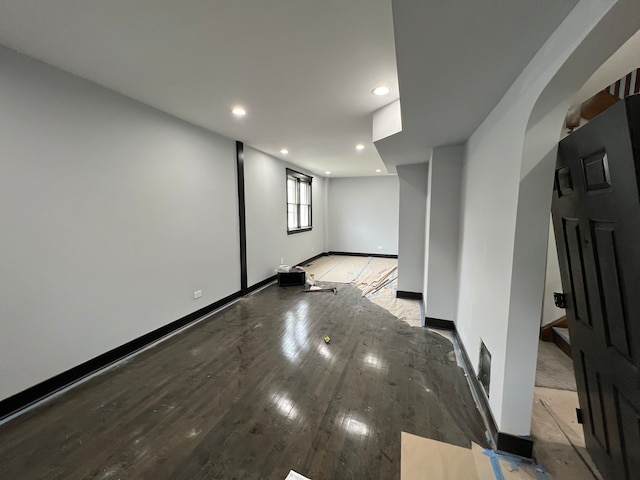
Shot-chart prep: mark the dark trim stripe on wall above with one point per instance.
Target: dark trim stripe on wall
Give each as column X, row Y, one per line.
column 242, row 220
column 42, row 390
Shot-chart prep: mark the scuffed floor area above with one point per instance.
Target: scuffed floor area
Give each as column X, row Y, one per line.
column 376, row 277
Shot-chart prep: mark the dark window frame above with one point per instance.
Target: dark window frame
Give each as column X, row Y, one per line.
column 300, row 179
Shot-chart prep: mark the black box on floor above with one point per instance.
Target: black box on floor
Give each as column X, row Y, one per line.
column 291, row 278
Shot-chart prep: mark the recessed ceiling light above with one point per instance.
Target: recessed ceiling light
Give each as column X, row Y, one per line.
column 239, row 111
column 359, row 147
column 378, row 170
column 380, row 91
column 327, row 172
column 284, row 151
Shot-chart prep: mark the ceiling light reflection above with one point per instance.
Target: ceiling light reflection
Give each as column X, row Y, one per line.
column 285, row 405
column 374, row 361
column 296, row 334
column 325, row 351
column 353, row 424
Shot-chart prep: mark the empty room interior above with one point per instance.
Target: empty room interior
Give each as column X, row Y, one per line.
column 293, row 239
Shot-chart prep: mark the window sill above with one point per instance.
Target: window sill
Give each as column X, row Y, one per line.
column 299, row 230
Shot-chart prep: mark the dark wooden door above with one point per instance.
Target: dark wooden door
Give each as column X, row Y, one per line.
column 596, row 217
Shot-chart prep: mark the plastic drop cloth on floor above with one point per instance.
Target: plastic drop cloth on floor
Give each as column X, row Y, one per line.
column 376, row 277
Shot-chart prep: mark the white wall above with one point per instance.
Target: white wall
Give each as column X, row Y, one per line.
column 387, row 121
column 507, row 184
column 363, row 214
column 266, row 217
column 413, row 180
column 112, row 215
column 552, row 283
column 442, row 233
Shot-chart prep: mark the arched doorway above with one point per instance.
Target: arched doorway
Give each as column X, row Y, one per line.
column 544, row 129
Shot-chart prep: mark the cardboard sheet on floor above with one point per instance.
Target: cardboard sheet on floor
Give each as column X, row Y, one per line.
column 484, row 470
column 295, row 476
column 426, row 459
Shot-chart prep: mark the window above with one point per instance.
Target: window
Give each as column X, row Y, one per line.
column 298, row 202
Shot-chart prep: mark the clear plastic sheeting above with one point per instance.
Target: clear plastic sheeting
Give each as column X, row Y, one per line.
column 376, row 277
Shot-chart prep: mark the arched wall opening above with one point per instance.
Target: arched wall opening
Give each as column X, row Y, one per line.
column 506, row 196
column 544, row 129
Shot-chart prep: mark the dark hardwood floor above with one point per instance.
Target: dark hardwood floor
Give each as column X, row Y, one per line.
column 253, row 392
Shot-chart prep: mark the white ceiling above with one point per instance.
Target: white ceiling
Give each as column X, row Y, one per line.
column 303, row 69
column 456, row 59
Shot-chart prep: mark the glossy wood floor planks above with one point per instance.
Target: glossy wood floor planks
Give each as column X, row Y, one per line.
column 254, row 392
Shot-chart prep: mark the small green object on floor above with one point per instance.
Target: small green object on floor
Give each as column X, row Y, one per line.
column 327, row 339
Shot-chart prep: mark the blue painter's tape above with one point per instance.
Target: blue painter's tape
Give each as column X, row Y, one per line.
column 360, row 274
column 516, row 464
column 541, row 474
column 495, row 464
column 325, row 273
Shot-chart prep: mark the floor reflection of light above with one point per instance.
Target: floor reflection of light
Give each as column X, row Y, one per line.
column 296, row 333
column 325, row 351
column 284, row 405
column 349, row 423
column 371, row 360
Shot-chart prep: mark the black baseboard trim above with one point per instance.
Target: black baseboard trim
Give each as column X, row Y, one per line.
column 261, row 284
column 408, row 295
column 273, row 278
column 42, row 390
column 479, row 393
column 514, row 445
column 439, row 323
column 309, row 260
column 500, row 441
column 358, row 254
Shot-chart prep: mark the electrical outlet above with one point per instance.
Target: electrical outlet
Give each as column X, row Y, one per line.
column 379, row 247
column 281, row 261
column 197, row 294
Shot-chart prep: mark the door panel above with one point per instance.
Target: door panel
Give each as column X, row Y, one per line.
column 572, row 237
column 597, row 419
column 615, row 317
column 629, row 418
column 596, row 216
